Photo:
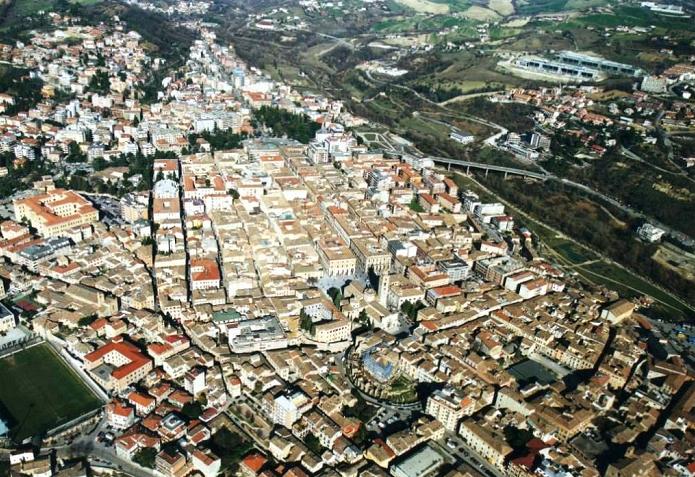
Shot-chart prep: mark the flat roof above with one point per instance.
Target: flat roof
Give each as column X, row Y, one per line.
column 421, row 463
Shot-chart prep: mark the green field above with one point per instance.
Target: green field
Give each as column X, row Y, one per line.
column 613, row 277
column 40, row 392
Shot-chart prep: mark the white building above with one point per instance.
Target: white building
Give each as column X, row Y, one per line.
column 7, row 321
column 650, row 233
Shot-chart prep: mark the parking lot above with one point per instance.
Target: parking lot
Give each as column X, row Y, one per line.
column 109, row 208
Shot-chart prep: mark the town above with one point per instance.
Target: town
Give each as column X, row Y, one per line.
column 223, row 278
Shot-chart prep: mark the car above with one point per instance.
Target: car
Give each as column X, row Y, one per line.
column 451, row 444
column 381, row 425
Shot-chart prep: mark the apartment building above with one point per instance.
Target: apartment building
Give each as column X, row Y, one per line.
column 54, row 213
column 117, row 364
column 448, row 408
column 336, row 258
column 491, row 446
column 370, row 255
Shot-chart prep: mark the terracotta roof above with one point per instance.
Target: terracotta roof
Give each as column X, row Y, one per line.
column 254, row 462
column 135, row 358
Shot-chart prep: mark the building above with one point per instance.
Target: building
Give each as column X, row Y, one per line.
column 194, row 380
column 256, row 335
column 380, row 364
column 618, row 311
column 556, row 68
column 461, row 136
column 497, row 269
column 205, row 274
column 252, row 465
column 7, row 321
column 448, row 408
column 370, row 255
column 423, row 463
column 288, row 408
column 117, row 364
column 384, row 287
column 55, row 212
column 654, row 84
column 170, row 463
column 650, row 233
column 134, row 207
column 336, row 258
column 332, row 331
column 119, row 416
column 38, row 253
column 594, row 62
column 455, row 268
column 206, row 463
column 489, row 445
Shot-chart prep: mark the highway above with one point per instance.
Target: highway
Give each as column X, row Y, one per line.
column 490, row 167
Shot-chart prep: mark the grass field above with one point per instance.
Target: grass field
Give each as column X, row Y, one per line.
column 610, row 275
column 39, row 392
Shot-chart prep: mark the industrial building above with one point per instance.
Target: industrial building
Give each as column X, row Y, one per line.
column 576, row 66
column 596, row 63
column 557, row 68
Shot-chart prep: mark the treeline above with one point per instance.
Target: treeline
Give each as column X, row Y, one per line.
column 218, row 139
column 667, row 197
column 25, row 90
column 295, row 126
column 512, row 116
column 19, row 178
column 565, row 209
column 137, row 164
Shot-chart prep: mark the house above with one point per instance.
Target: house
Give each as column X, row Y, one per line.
column 252, row 465
column 7, row 320
column 119, row 416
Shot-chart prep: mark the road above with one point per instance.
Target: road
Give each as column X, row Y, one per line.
column 547, row 175
column 88, row 446
column 490, row 167
column 463, row 452
column 631, row 155
column 464, row 97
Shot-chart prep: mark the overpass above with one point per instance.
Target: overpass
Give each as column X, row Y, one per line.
column 489, row 167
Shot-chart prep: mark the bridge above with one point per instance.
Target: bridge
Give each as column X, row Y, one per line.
column 489, row 167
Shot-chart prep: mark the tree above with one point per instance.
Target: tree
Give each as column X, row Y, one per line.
column 75, row 154
column 364, row 320
column 295, row 126
column 192, row 410
column 99, row 83
column 230, row 447
column 336, row 295
column 99, row 164
column 145, row 457
column 306, row 323
column 411, row 309
column 415, row 204
column 87, row 320
column 314, row 445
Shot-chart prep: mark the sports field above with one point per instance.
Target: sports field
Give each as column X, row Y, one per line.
column 38, row 392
